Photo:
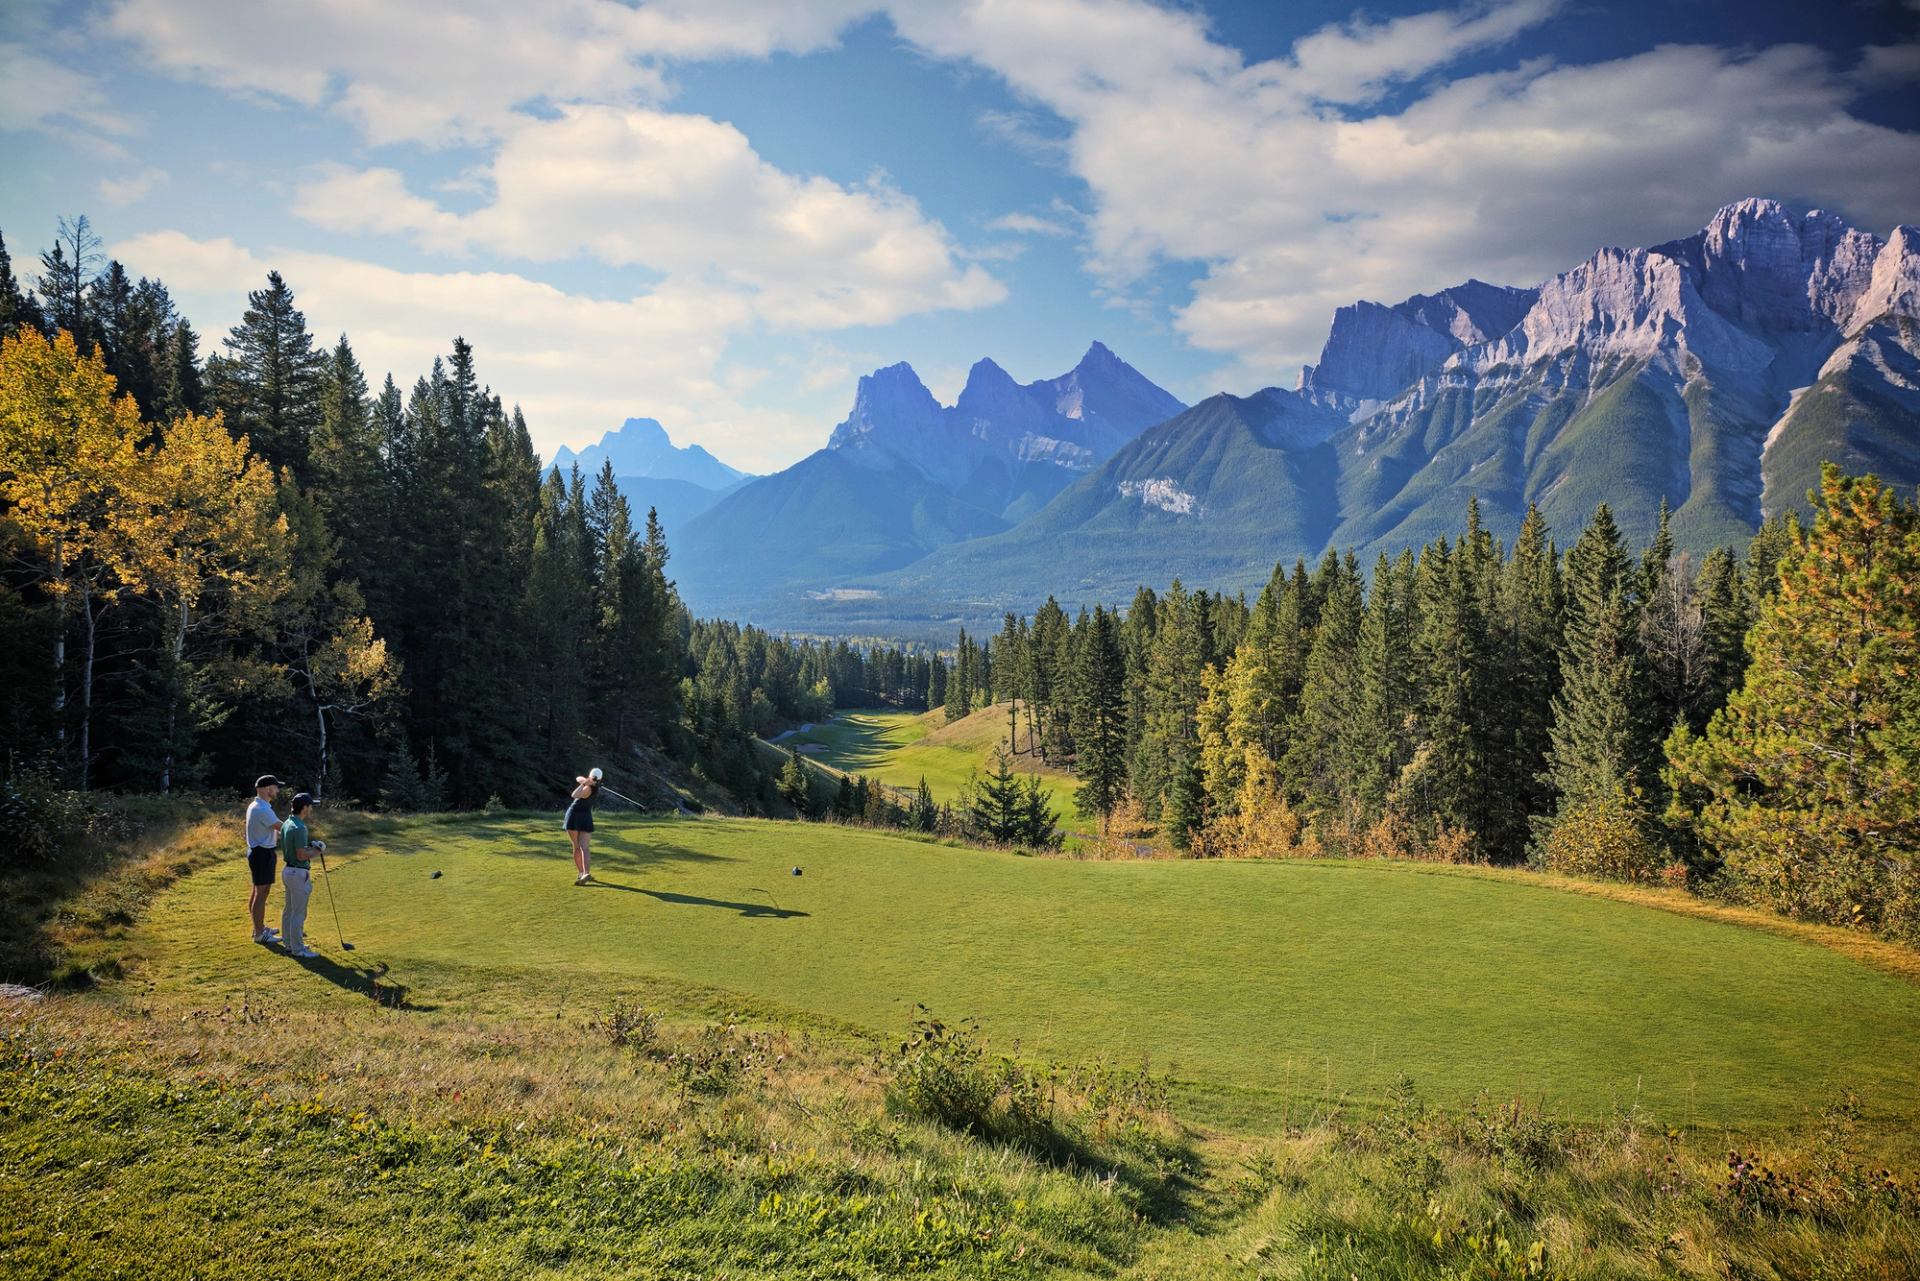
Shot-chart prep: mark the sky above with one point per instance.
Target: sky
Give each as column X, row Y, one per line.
column 719, row 213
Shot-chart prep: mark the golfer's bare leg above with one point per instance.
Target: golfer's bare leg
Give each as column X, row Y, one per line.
column 257, row 906
column 586, row 853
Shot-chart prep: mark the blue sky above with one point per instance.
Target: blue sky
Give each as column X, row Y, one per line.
column 720, row 214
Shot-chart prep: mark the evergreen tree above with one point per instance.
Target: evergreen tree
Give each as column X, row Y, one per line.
column 19, row 309
column 1525, row 677
column 1382, row 738
column 348, row 480
column 1100, row 719
column 1600, row 746
column 924, row 816
column 1324, row 755
column 1450, row 655
column 1726, row 613
column 268, row 384
column 1166, row 774
column 182, row 390
column 66, row 270
column 794, row 788
column 959, row 691
column 1811, row 773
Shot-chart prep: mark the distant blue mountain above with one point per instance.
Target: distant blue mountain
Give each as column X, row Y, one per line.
column 642, row 449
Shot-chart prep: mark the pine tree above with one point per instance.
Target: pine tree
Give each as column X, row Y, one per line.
column 1324, row 756
column 1600, row 741
column 1382, row 733
column 1450, row 654
column 183, row 389
column 1811, row 773
column 268, row 384
column 1100, row 719
column 959, row 690
column 1166, row 775
column 66, row 270
column 18, row 309
column 794, row 787
column 1526, row 676
column 924, row 816
column 1726, row 615
column 348, row 481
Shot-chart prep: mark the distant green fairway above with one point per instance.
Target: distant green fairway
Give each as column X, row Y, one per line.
column 1254, row 984
column 901, row 748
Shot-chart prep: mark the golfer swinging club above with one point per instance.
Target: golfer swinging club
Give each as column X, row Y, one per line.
column 579, row 824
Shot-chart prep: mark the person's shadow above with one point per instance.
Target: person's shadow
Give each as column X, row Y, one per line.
column 363, row 980
column 694, row 900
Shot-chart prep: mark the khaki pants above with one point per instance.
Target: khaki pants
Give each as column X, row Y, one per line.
column 298, row 883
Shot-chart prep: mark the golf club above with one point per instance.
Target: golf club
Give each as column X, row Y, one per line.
column 332, row 903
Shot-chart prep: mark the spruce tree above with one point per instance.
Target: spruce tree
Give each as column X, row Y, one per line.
column 1382, row 735
column 794, row 787
column 19, row 309
column 1600, row 740
column 1324, row 755
column 1526, row 675
column 268, row 382
column 1100, row 719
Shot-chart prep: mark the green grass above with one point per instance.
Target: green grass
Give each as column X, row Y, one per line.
column 702, row 1074
column 1257, row 985
column 900, row 748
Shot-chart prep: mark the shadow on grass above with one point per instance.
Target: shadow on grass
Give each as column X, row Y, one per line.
column 850, row 745
column 363, row 980
column 694, row 900
column 631, row 848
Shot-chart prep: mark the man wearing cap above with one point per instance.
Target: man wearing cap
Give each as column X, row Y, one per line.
column 297, row 845
column 263, row 839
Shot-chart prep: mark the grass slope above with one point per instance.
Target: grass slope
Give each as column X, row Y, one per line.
column 1254, row 983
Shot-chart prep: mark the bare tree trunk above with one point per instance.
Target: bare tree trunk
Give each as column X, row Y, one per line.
column 59, row 646
column 173, row 698
column 86, row 684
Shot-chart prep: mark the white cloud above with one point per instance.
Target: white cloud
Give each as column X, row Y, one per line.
column 1026, row 224
column 577, row 365
column 1297, row 204
column 441, row 71
column 126, row 190
column 37, row 92
column 689, row 197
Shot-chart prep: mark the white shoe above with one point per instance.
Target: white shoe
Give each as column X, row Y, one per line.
column 583, row 879
column 267, row 936
column 304, row 954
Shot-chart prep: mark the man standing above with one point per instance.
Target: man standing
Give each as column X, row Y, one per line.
column 296, row 844
column 263, row 833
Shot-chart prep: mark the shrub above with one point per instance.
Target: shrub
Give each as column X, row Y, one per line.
column 940, row 1074
column 38, row 817
column 1604, row 837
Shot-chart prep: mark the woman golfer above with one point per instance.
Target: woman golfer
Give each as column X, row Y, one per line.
column 580, row 824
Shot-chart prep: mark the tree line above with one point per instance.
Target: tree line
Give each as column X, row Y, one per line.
column 261, row 561
column 1747, row 725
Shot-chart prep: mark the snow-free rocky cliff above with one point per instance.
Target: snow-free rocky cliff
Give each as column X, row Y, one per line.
column 1714, row 372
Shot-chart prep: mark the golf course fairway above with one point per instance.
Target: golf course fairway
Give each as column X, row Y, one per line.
column 1250, row 983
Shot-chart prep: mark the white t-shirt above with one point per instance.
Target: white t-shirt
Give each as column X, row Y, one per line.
column 260, row 821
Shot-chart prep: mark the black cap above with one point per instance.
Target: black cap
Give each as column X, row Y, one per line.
column 302, row 799
column 265, row 780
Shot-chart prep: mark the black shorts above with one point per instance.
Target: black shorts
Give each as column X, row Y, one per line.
column 260, row 861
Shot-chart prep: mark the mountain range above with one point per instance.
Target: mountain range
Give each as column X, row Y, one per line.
column 679, row 482
column 1714, row 372
column 904, row 475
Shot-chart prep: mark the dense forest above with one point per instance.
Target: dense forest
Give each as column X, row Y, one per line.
column 1748, row 726
column 261, row 562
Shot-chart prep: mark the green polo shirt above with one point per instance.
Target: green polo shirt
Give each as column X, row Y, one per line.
column 293, row 842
